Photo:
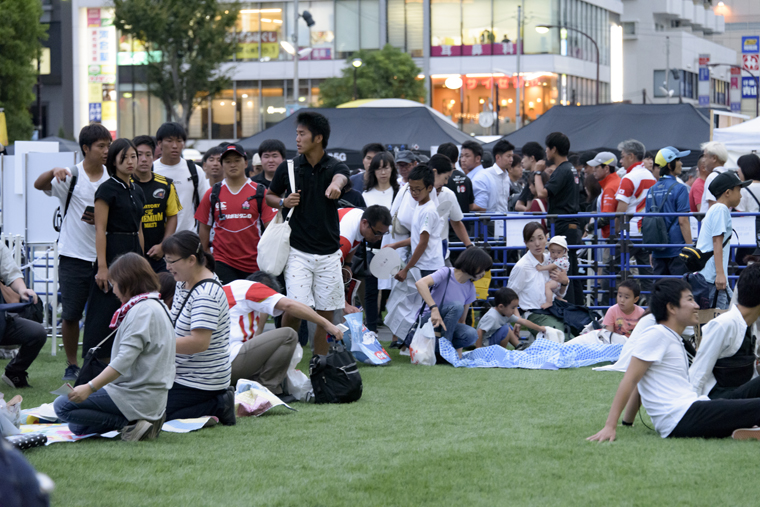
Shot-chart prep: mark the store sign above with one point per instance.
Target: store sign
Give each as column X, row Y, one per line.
column 735, row 94
column 751, row 62
column 495, row 49
column 96, row 112
column 248, row 45
column 101, row 50
column 749, row 88
column 137, row 58
column 751, row 44
column 318, row 54
column 703, row 86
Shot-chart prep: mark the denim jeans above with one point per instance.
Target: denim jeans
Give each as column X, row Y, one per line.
column 460, row 335
column 97, row 414
column 724, row 297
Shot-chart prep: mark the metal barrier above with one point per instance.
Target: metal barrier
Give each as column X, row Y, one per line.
column 493, row 232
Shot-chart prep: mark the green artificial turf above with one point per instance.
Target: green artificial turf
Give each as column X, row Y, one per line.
column 419, row 436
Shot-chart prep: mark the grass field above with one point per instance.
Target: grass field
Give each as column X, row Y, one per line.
column 419, row 436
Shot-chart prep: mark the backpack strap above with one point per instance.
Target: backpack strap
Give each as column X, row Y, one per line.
column 292, row 179
column 260, row 192
column 74, row 175
column 194, row 178
column 753, row 196
column 214, row 201
column 665, row 199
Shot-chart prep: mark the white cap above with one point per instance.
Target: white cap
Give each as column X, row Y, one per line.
column 559, row 240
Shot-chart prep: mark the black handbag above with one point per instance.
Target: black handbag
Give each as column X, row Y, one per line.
column 335, row 377
column 92, row 366
column 695, row 259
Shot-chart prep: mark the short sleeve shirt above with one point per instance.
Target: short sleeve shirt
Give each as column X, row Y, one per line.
column 247, row 301
column 125, row 205
column 717, row 222
column 451, row 292
column 426, row 219
column 492, row 321
column 620, row 322
column 206, row 308
column 161, row 202
column 314, row 222
column 350, row 234
column 564, row 190
column 461, row 185
column 677, row 202
column 695, row 195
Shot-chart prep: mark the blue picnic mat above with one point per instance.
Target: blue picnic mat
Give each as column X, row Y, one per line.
column 541, row 355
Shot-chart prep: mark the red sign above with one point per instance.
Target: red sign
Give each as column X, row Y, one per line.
column 704, row 60
column 498, row 48
column 751, row 62
column 93, row 17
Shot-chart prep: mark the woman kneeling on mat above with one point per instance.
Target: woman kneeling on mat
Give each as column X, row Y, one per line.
column 130, row 394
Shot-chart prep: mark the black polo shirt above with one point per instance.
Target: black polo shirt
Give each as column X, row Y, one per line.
column 260, row 178
column 314, row 223
column 161, row 202
column 461, row 185
column 125, row 205
column 564, row 192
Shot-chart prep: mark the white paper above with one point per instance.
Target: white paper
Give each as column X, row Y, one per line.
column 64, row 390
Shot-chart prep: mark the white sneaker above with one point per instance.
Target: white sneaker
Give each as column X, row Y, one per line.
column 135, row 432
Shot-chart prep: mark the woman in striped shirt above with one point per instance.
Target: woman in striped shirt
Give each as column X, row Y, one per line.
column 202, row 325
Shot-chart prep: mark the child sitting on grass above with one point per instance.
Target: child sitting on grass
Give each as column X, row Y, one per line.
column 558, row 260
column 494, row 327
column 623, row 317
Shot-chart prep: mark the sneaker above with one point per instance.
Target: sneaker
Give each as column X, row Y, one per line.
column 137, row 431
column 746, row 434
column 396, row 344
column 155, row 427
column 310, row 398
column 71, row 374
column 522, row 346
column 228, row 411
column 16, row 380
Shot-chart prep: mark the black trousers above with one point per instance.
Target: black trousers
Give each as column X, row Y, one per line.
column 718, row 418
column 573, row 234
column 227, row 273
column 27, row 333
column 642, row 263
column 668, row 266
column 186, row 402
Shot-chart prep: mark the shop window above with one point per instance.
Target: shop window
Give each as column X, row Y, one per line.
column 405, row 25
column 476, row 23
column 321, row 36
column 248, row 109
column 260, row 29
column 273, row 103
column 138, row 112
column 223, row 116
column 446, row 22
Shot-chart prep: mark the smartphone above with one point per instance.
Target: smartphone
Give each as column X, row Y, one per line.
column 88, row 214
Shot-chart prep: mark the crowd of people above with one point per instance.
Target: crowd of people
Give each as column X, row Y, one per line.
column 163, row 254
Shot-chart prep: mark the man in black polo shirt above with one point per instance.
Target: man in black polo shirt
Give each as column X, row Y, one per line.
column 313, row 272
column 562, row 193
column 161, row 203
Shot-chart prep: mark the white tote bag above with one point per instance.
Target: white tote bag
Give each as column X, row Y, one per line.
column 274, row 245
column 422, row 348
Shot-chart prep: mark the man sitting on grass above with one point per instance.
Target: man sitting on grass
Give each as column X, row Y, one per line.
column 660, row 369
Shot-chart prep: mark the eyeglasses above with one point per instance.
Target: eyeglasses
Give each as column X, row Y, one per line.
column 169, row 263
column 378, row 234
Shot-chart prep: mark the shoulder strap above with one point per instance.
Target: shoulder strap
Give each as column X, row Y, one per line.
column 753, row 196
column 260, row 191
column 74, row 175
column 205, row 280
column 292, row 179
column 194, row 177
column 213, row 201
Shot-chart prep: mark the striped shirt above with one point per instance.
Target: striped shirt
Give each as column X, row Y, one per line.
column 633, row 191
column 247, row 300
column 206, row 309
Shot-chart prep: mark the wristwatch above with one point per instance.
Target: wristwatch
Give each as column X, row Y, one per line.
column 282, row 203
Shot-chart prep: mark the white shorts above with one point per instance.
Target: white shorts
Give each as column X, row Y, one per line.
column 315, row 280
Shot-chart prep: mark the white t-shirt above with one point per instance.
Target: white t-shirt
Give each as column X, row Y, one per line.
column 748, row 203
column 426, row 219
column 77, row 238
column 707, row 195
column 665, row 389
column 374, row 197
column 248, row 300
column 350, row 230
column 455, row 212
column 183, row 184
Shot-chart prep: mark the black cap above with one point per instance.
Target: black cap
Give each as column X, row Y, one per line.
column 233, row 148
column 726, row 181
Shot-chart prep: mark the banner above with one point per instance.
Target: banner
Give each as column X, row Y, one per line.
column 703, row 87
column 3, row 130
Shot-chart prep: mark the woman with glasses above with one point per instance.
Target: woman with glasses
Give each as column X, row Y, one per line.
column 202, row 326
column 451, row 295
column 380, row 188
column 118, row 230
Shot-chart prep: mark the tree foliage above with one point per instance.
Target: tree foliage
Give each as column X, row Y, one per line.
column 385, row 74
column 20, row 36
column 194, row 38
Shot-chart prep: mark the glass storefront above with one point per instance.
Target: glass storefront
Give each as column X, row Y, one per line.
column 260, row 29
column 405, row 26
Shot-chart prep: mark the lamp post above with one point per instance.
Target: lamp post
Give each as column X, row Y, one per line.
column 755, row 78
column 356, row 63
column 296, row 54
column 545, row 29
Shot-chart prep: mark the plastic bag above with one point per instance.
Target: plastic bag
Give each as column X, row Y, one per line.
column 363, row 343
column 552, row 334
column 296, row 381
column 422, row 349
column 251, row 398
column 10, row 416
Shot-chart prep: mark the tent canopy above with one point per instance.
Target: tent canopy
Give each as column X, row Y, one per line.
column 414, row 128
column 739, row 139
column 603, row 127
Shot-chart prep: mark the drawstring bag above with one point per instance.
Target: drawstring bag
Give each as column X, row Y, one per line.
column 274, row 245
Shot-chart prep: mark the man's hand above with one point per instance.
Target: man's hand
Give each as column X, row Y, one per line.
column 333, row 191
column 292, row 200
column 401, row 275
column 605, row 434
column 540, row 166
column 61, row 173
column 156, row 252
column 80, row 393
column 30, row 295
column 720, row 282
column 348, row 309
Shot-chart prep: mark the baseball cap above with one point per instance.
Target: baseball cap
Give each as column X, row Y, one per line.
column 256, row 160
column 603, row 158
column 669, row 154
column 405, row 156
column 559, row 240
column 233, row 148
column 726, row 181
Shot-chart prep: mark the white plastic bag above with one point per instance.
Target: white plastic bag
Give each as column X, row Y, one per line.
column 10, row 416
column 552, row 334
column 422, row 348
column 297, row 382
column 274, row 245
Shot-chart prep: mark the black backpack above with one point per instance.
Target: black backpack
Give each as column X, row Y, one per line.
column 58, row 216
column 335, row 377
column 654, row 230
column 214, row 202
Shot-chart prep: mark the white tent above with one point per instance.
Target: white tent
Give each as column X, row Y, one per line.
column 739, row 139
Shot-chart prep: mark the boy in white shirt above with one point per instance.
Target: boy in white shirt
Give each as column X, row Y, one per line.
column 658, row 378
column 189, row 181
column 75, row 189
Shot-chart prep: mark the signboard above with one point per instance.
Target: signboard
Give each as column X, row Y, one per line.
column 102, row 48
column 751, row 62
column 495, row 49
column 248, row 45
column 703, row 86
column 751, row 44
column 749, row 88
column 735, row 94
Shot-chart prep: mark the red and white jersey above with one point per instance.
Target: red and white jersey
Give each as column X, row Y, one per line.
column 633, row 191
column 247, row 301
column 350, row 235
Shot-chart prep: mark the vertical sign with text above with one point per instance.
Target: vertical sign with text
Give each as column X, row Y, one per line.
column 703, row 89
column 735, row 93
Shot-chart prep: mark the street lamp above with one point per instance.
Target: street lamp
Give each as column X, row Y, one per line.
column 306, row 15
column 545, row 29
column 757, row 83
column 356, row 63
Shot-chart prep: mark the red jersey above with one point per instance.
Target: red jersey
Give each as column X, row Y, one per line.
column 633, row 191
column 610, row 185
column 236, row 228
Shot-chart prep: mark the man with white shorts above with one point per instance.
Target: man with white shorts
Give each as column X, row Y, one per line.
column 313, row 272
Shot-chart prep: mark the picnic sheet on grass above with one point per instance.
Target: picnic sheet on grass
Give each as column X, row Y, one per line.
column 541, row 355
